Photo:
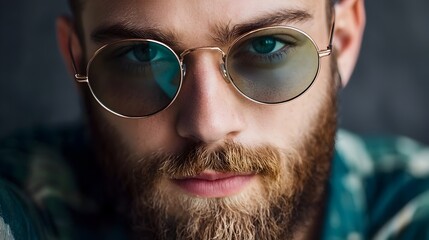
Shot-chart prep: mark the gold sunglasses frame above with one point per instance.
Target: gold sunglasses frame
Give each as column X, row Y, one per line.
column 80, row 78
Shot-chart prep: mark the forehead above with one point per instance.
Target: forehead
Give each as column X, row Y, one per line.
column 193, row 18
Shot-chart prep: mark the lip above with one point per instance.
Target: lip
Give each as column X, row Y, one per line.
column 211, row 184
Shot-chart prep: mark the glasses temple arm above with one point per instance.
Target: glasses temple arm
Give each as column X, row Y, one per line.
column 331, row 37
column 328, row 49
column 78, row 77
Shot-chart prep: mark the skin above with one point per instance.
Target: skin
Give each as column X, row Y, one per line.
column 217, row 112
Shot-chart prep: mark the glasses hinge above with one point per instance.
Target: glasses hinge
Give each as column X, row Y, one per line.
column 81, row 78
column 325, row 53
column 224, row 73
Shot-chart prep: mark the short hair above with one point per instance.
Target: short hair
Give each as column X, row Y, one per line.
column 76, row 7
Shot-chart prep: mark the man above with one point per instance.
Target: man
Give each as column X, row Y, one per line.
column 212, row 121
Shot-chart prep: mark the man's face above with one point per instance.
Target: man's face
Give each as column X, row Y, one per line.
column 215, row 164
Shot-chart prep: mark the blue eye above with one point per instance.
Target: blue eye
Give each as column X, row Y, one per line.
column 140, row 57
column 266, row 45
column 142, row 53
column 265, row 50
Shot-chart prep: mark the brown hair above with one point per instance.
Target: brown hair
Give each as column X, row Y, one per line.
column 77, row 5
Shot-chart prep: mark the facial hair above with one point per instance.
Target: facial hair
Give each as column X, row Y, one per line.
column 293, row 183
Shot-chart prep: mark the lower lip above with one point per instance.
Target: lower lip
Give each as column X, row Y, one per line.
column 214, row 188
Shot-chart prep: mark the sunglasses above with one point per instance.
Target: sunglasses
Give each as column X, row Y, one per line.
column 136, row 78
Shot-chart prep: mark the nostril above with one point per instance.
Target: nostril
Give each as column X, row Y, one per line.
column 224, row 73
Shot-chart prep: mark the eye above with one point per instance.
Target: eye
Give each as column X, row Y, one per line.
column 264, row 50
column 140, row 58
column 142, row 53
column 266, row 45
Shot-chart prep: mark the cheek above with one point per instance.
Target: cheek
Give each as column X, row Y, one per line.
column 144, row 136
column 286, row 124
column 282, row 125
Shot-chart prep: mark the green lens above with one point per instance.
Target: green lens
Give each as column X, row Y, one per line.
column 135, row 78
column 273, row 65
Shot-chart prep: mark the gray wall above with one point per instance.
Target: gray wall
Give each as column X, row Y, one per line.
column 388, row 93
column 34, row 86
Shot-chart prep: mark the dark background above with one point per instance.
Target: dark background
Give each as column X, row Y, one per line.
column 388, row 93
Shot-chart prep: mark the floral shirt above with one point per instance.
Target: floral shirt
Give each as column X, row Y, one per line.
column 50, row 189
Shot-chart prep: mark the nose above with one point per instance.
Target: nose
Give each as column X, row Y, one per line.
column 209, row 107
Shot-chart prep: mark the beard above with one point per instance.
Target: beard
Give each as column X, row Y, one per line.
column 288, row 198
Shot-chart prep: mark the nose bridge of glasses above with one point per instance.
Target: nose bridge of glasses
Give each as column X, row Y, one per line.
column 191, row 50
column 209, row 48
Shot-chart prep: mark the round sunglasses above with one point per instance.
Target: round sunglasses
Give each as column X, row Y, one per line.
column 136, row 78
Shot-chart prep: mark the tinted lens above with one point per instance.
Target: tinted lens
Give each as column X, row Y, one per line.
column 273, row 65
column 135, row 78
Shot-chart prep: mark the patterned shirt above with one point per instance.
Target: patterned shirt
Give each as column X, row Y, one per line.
column 50, row 189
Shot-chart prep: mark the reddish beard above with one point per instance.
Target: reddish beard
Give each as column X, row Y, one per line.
column 294, row 184
column 293, row 180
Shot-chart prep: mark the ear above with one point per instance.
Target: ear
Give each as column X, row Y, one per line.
column 69, row 44
column 349, row 28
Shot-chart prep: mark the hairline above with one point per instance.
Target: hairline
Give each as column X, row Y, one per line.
column 76, row 7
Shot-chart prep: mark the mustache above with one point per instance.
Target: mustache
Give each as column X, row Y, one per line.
column 228, row 157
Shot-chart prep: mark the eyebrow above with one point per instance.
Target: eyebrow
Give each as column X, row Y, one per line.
column 223, row 34
column 120, row 31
